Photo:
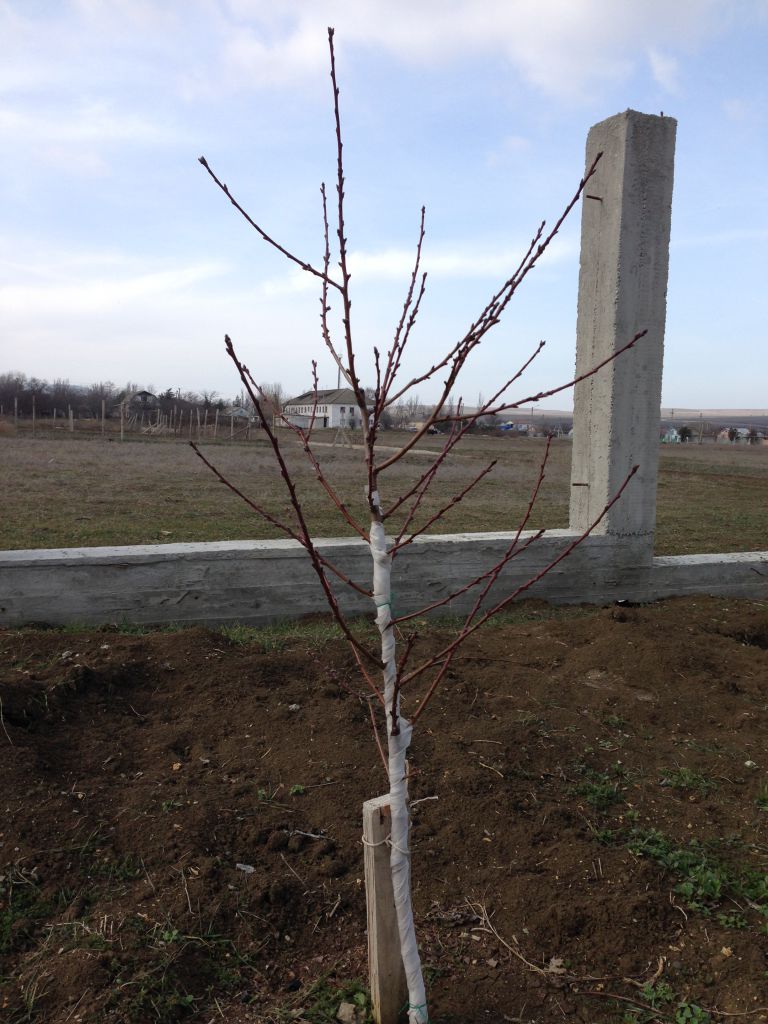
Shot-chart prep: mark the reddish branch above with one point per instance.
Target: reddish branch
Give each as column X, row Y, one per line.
column 447, row 652
column 387, row 392
column 267, row 238
column 345, row 275
column 303, row 533
column 560, row 387
column 402, row 542
column 492, row 574
column 325, row 308
column 312, row 458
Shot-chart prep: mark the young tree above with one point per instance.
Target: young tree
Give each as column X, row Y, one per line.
column 414, row 675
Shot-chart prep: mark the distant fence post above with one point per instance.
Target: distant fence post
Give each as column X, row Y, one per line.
column 625, row 225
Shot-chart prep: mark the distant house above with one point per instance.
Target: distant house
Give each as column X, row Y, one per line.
column 237, row 412
column 143, row 401
column 671, row 435
column 335, row 409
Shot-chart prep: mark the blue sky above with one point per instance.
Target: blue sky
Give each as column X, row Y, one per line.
column 119, row 259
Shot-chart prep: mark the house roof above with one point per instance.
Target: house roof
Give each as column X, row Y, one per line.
column 337, row 396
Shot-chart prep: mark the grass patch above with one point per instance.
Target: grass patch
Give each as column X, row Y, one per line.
column 278, row 636
column 688, row 779
column 705, row 880
column 322, row 1002
column 710, row 497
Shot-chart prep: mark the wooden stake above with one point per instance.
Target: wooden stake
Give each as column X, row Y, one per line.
column 103, row 415
column 216, row 425
column 389, row 992
column 231, row 426
column 71, row 421
column 122, row 421
column 33, row 416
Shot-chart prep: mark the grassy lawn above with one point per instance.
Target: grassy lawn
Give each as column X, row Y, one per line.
column 80, row 490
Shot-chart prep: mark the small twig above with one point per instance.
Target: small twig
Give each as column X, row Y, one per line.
column 297, row 875
column 267, row 238
column 186, row 891
column 2, row 722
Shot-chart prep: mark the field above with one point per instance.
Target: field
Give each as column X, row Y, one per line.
column 181, row 832
column 67, row 491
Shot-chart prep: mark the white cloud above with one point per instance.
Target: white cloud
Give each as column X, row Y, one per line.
column 737, row 109
column 93, row 284
column 559, row 47
column 88, row 123
column 509, row 151
column 665, row 70
column 466, row 262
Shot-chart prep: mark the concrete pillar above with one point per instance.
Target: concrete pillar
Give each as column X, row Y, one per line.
column 622, row 289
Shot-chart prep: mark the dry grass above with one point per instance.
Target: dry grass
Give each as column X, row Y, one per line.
column 83, row 490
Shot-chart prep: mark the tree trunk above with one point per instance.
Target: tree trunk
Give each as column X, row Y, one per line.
column 397, row 745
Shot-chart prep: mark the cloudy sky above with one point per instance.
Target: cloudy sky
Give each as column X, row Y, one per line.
column 120, row 260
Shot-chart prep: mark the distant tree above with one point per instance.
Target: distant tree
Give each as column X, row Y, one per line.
column 752, row 437
column 13, row 385
column 95, row 394
column 733, row 434
column 685, row 433
column 63, row 395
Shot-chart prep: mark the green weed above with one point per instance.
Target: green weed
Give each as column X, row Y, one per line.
column 687, row 778
column 600, row 789
column 21, row 908
column 732, row 920
column 690, row 1013
column 323, row 1000
column 704, row 879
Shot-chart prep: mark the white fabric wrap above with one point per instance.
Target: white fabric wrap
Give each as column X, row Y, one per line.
column 400, row 859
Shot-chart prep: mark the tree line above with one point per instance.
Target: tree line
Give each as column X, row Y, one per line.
column 23, row 394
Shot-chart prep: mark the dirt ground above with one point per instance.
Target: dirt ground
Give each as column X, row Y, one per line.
column 181, row 823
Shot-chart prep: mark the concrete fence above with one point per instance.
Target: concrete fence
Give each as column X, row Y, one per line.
column 622, row 288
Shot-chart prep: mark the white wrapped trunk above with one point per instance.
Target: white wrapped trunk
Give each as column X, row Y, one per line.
column 397, row 746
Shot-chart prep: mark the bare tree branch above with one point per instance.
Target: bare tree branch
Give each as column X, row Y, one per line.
column 267, row 238
column 469, row 630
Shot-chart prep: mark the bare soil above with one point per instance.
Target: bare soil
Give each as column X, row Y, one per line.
column 182, row 815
